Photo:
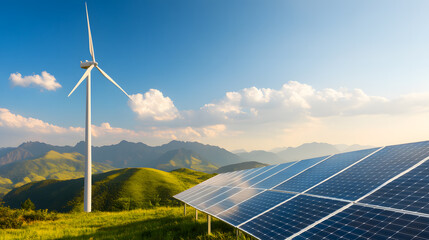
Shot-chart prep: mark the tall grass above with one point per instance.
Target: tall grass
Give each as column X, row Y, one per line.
column 158, row 223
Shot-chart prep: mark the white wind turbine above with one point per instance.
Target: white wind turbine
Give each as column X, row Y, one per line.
column 89, row 66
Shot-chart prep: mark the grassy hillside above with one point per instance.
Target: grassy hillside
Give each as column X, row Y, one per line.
column 123, row 189
column 183, row 158
column 52, row 165
column 164, row 223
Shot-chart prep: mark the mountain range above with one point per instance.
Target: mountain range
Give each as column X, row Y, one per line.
column 35, row 161
column 52, row 165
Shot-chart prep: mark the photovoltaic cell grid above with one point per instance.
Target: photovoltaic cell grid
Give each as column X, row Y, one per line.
column 277, row 215
column 408, row 192
column 252, row 207
column 357, row 222
column 290, row 217
column 265, row 174
column 287, row 173
column 323, row 170
column 204, row 197
column 228, row 202
column 241, row 180
column 373, row 171
column 218, row 198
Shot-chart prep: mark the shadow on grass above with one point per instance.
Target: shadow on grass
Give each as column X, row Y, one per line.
column 164, row 228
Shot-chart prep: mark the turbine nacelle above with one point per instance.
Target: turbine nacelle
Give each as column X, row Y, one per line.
column 87, row 64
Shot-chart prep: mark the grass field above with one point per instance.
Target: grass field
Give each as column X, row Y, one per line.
column 157, row 223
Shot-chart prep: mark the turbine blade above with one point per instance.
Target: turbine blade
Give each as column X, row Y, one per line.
column 107, row 76
column 91, row 47
column 81, row 79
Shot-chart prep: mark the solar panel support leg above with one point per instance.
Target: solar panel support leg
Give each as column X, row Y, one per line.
column 196, row 214
column 209, row 224
column 184, row 209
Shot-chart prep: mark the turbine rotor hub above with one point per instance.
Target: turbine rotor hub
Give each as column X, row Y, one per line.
column 88, row 64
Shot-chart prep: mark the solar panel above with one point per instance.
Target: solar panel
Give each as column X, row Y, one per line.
column 222, row 203
column 373, row 171
column 287, row 173
column 290, row 217
column 249, row 176
column 204, row 197
column 252, row 207
column 219, row 198
column 266, row 174
column 408, row 192
column 358, row 222
column 235, row 177
column 380, row 193
column 183, row 195
column 323, row 170
column 198, row 194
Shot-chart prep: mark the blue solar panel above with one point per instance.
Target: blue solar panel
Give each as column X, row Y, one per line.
column 225, row 202
column 204, row 197
column 409, row 192
column 359, row 222
column 323, row 170
column 198, row 194
column 287, row 173
column 243, row 179
column 215, row 178
column 291, row 217
column 219, row 198
column 252, row 207
column 264, row 175
column 373, row 171
column 241, row 174
column 190, row 191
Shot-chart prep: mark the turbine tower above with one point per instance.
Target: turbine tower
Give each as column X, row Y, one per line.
column 89, row 65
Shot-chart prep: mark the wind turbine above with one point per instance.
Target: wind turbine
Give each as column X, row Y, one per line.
column 89, row 66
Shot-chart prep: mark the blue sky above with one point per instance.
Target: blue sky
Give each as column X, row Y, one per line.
column 195, row 52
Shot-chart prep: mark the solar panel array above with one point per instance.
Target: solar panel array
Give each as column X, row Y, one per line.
column 379, row 193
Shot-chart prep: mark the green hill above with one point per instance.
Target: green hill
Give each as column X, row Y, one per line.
column 52, row 165
column 122, row 189
column 183, row 158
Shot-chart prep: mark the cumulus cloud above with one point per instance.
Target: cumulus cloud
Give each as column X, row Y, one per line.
column 10, row 120
column 153, row 105
column 46, row 81
column 28, row 128
column 295, row 101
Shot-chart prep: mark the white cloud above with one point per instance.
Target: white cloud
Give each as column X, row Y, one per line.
column 153, row 105
column 46, row 81
column 258, row 118
column 15, row 121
